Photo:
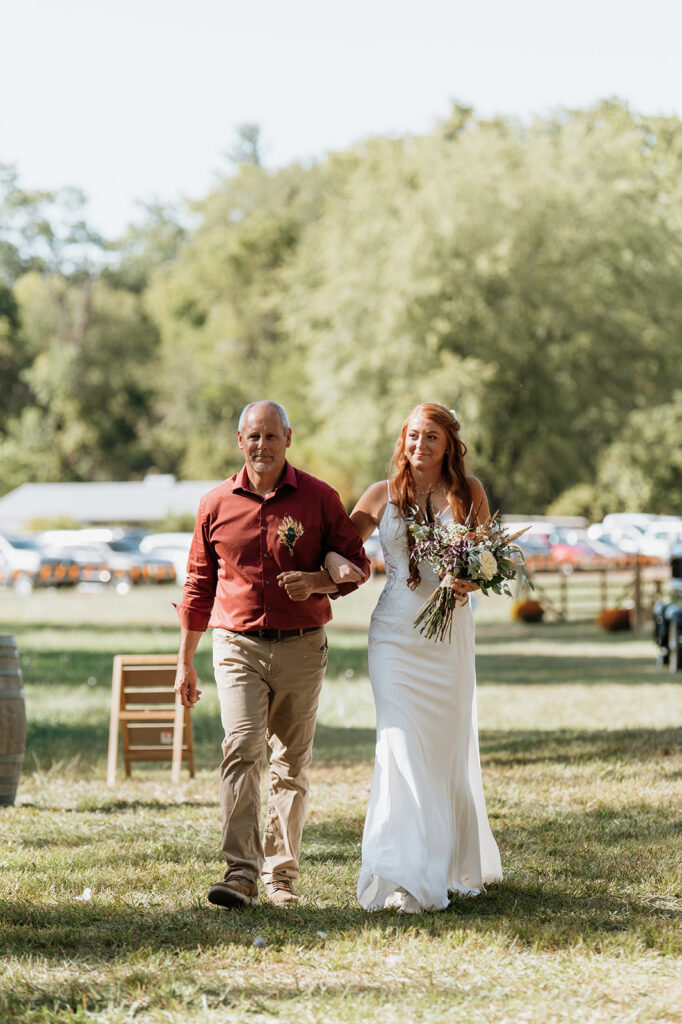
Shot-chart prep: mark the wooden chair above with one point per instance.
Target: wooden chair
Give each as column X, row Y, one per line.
column 154, row 725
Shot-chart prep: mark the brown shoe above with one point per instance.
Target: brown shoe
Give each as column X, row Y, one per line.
column 280, row 891
column 234, row 892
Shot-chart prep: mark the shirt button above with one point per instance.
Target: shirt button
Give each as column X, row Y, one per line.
column 264, row 529
column 267, row 581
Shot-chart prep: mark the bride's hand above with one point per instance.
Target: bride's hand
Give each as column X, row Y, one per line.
column 341, row 570
column 462, row 588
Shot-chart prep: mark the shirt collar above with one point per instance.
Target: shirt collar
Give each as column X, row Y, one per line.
column 240, row 482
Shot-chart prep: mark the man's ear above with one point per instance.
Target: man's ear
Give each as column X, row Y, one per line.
column 288, row 437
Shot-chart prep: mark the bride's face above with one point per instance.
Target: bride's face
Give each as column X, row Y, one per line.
column 425, row 443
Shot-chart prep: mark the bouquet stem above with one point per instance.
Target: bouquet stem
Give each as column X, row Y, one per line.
column 434, row 618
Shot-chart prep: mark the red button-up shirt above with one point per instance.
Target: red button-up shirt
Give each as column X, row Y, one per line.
column 237, row 554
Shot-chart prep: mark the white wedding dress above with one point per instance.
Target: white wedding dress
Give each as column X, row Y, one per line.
column 426, row 831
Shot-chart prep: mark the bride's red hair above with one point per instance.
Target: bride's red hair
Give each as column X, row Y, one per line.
column 453, row 472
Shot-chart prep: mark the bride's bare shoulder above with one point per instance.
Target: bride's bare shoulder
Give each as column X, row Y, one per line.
column 477, row 488
column 479, row 498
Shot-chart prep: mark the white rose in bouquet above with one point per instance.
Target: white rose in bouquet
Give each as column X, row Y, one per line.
column 488, row 565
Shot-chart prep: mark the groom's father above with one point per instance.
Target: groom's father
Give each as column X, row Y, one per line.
column 254, row 575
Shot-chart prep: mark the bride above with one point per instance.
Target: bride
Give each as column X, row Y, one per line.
column 426, row 832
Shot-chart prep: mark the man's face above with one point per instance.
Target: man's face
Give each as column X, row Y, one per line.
column 264, row 440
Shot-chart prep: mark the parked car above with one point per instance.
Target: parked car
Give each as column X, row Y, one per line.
column 630, row 539
column 92, row 563
column 172, row 546
column 23, row 566
column 666, row 532
column 534, row 544
column 119, row 561
column 640, row 520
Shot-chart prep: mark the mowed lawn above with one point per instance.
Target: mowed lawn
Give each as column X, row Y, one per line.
column 580, row 744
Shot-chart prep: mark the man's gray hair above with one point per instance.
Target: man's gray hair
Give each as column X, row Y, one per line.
column 264, row 401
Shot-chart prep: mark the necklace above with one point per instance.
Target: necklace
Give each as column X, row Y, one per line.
column 436, row 497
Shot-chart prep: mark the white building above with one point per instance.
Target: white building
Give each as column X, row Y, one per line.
column 142, row 502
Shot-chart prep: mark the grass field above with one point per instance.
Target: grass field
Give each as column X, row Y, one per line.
column 580, row 744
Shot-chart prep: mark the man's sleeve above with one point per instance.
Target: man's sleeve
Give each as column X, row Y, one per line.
column 342, row 536
column 201, row 579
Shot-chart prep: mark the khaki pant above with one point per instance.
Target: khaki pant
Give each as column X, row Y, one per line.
column 268, row 694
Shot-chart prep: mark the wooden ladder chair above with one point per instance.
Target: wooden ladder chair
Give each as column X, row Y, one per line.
column 154, row 725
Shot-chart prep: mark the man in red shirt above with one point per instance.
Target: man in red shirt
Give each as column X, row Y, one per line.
column 253, row 574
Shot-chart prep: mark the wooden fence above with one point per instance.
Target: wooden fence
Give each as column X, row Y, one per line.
column 584, row 593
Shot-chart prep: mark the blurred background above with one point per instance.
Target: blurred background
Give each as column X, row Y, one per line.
column 349, row 209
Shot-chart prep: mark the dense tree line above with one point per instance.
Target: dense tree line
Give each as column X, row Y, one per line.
column 527, row 274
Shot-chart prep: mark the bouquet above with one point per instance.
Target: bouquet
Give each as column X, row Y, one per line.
column 482, row 554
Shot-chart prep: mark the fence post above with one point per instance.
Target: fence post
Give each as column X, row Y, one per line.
column 637, row 610
column 563, row 597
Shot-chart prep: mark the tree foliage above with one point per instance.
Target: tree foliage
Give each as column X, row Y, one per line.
column 643, row 467
column 526, row 274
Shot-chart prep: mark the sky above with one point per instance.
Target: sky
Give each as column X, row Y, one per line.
column 139, row 101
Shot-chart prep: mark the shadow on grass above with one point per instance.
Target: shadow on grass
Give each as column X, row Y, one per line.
column 535, row 915
column 573, row 879
column 72, row 667
column 568, row 746
column 542, row 670
column 562, row 633
column 155, row 632
column 54, row 743
column 116, row 806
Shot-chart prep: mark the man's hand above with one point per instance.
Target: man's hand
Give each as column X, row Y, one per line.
column 186, row 686
column 299, row 585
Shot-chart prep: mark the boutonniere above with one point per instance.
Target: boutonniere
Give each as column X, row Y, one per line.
column 289, row 531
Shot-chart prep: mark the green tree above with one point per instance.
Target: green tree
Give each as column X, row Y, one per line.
column 42, row 230
column 90, row 384
column 641, row 471
column 526, row 275
column 217, row 307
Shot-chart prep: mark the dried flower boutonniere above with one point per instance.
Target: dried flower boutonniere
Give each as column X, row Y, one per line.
column 289, row 531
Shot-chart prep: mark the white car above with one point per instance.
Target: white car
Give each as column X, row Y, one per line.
column 629, row 538
column 640, row 520
column 665, row 533
column 19, row 564
column 173, row 546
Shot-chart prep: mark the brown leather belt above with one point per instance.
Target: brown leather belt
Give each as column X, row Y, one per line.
column 276, row 634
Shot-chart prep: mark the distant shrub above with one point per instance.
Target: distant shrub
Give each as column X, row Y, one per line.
column 53, row 523
column 527, row 611
column 614, row 619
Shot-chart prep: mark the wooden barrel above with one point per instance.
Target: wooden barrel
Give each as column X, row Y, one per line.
column 12, row 720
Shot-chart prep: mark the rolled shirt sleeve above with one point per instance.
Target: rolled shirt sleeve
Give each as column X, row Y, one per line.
column 201, row 579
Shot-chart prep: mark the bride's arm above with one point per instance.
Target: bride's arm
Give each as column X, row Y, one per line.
column 365, row 518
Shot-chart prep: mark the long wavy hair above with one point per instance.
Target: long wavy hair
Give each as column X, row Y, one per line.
column 453, row 475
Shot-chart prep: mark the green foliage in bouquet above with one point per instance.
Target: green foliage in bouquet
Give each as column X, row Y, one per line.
column 482, row 554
